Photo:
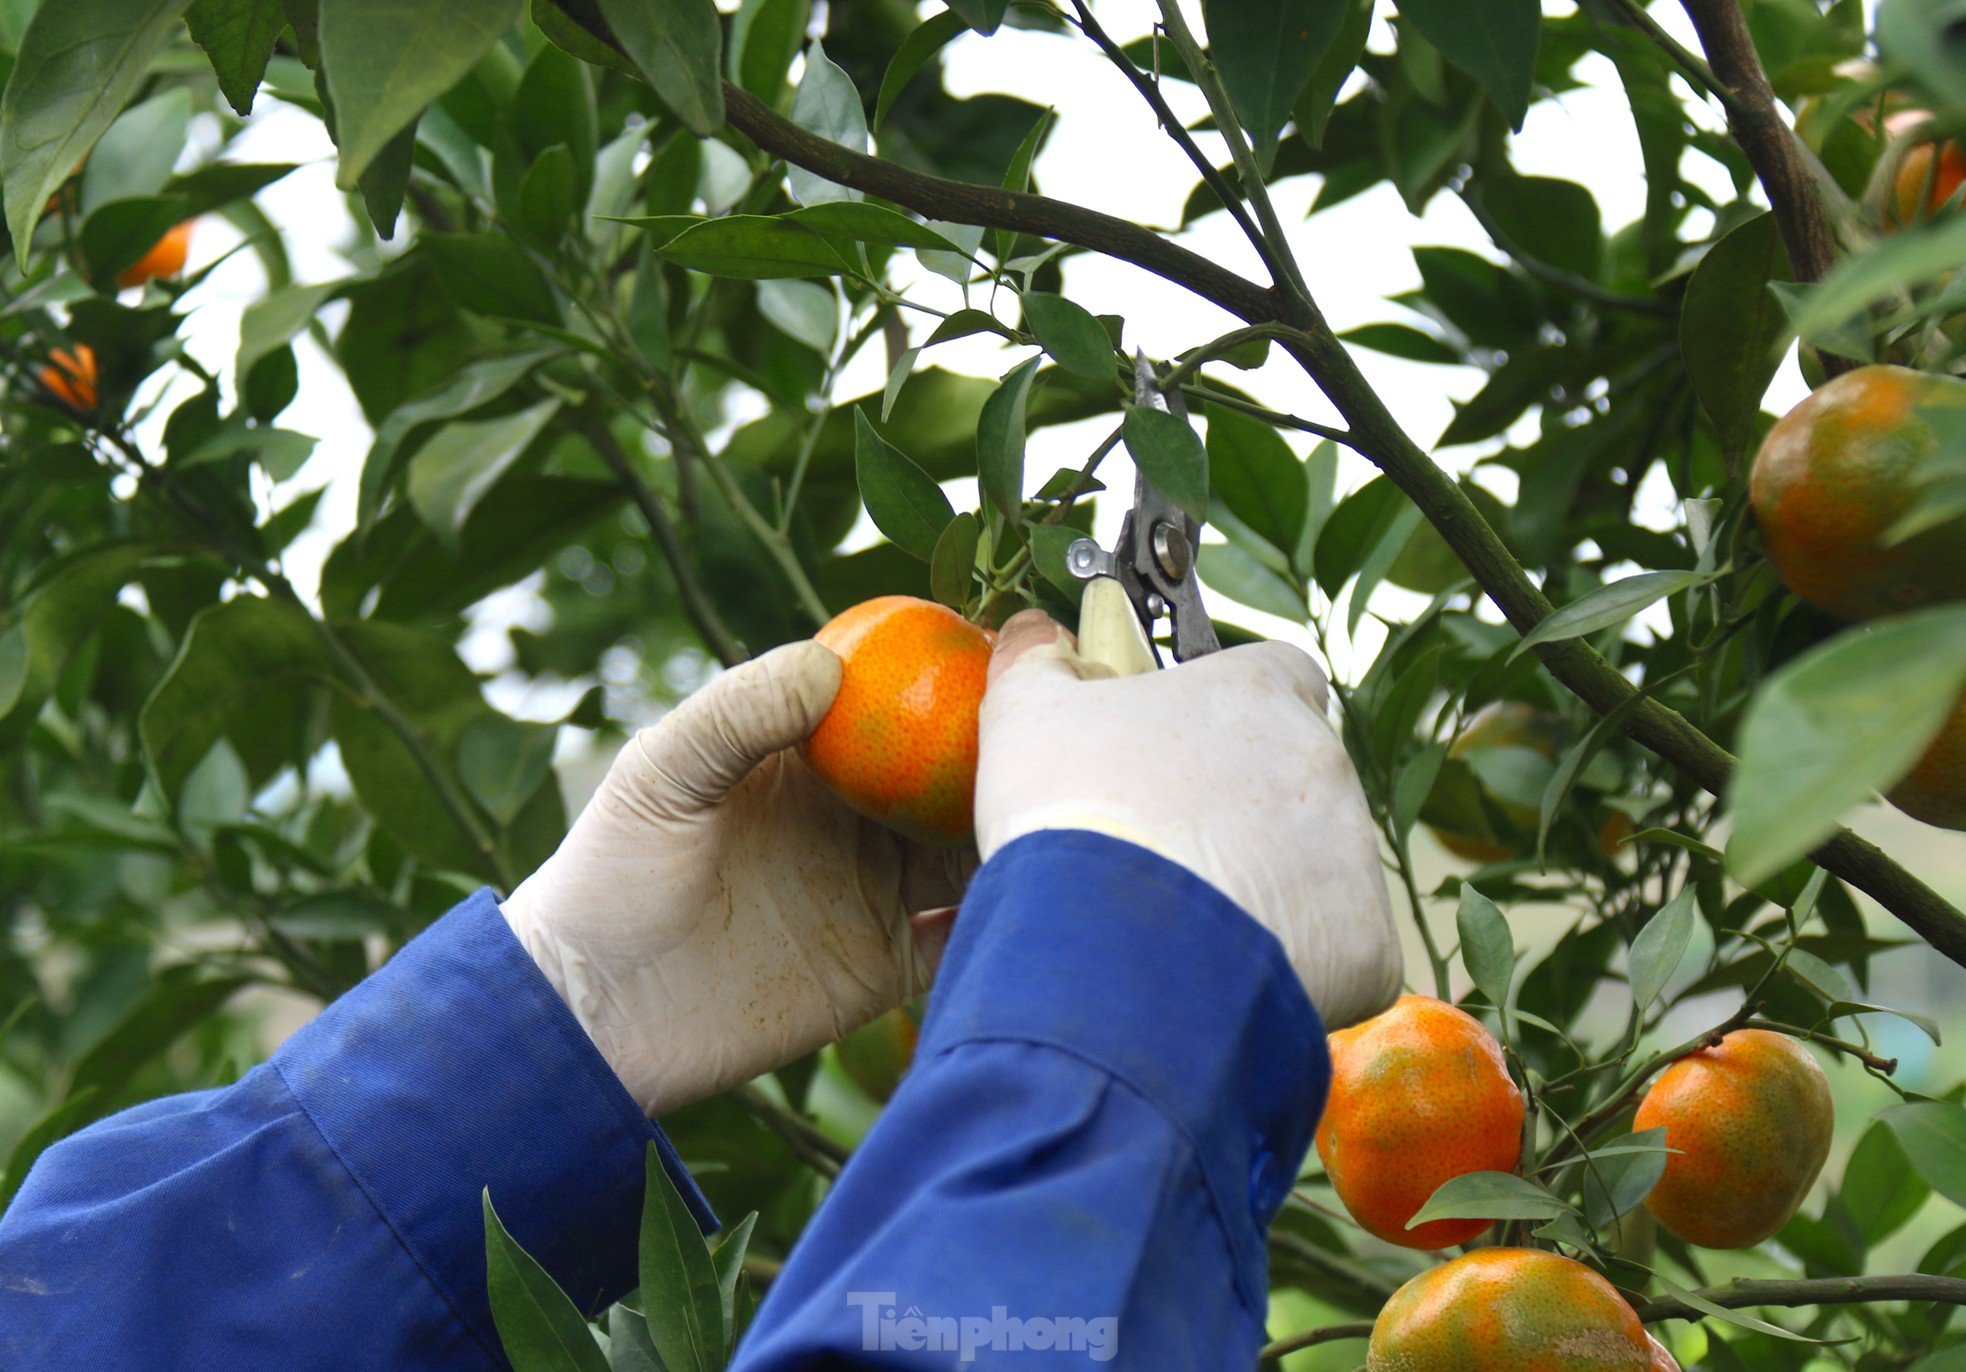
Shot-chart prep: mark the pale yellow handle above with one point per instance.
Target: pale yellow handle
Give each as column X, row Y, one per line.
column 1110, row 635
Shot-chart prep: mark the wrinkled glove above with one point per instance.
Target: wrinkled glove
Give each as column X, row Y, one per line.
column 716, row 912
column 1225, row 765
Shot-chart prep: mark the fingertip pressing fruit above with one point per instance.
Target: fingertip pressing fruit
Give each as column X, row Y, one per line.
column 165, row 258
column 899, row 743
column 1508, row 1310
column 1837, row 473
column 1750, row 1120
column 70, row 376
column 1419, row 1094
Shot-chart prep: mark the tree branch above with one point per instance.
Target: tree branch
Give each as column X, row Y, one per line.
column 1748, row 1291
column 1376, row 434
column 1777, row 156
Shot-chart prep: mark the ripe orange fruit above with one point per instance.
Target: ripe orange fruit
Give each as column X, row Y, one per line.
column 1662, row 1358
column 165, row 258
column 1751, row 1119
column 1833, row 476
column 899, row 743
column 1934, row 790
column 71, row 376
column 1419, row 1095
column 1508, row 1310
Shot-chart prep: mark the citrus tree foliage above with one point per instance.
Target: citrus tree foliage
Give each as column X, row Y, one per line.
column 614, row 256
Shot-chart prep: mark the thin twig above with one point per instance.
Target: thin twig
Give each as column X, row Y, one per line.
column 1750, row 1291
column 817, row 1149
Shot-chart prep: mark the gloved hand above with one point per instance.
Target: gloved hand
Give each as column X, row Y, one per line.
column 1225, row 765
column 715, row 911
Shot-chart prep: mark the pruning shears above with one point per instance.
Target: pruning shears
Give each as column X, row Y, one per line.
column 1148, row 574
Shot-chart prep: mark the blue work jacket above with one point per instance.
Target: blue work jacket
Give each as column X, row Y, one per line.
column 1117, row 1080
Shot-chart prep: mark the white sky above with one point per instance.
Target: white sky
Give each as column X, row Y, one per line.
column 1105, row 152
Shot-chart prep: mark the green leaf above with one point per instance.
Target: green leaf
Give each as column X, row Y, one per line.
column 1844, row 719
column 136, row 155
column 1415, row 784
column 801, row 310
column 1880, row 1188
column 1265, row 50
column 1927, row 38
column 453, row 471
column 1313, row 109
column 1401, row 340
column 728, row 1259
column 247, row 673
column 1237, row 574
column 677, row 45
column 115, row 235
column 336, row 916
column 953, row 563
column 764, row 38
column 1933, row 1133
column 503, row 761
column 1732, row 330
column 14, row 660
column 385, row 60
column 541, row 1329
column 921, row 44
column 681, row 1297
column 1170, row 454
column 480, row 383
column 1049, row 544
column 1660, row 945
column 1494, row 41
column 1000, row 430
column 272, row 321
column 1489, row 1196
column 1018, row 177
column 238, row 37
column 1918, row 253
column 570, row 38
column 629, row 1347
column 1733, row 1317
column 79, row 63
column 1616, row 1177
column 1608, row 605
column 1258, row 478
column 865, row 223
column 753, row 247
column 1067, row 331
column 490, row 274
column 826, row 104
column 903, row 500
column 982, row 15
column 1487, row 947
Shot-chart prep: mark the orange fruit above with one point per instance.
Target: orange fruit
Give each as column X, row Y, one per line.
column 1832, row 478
column 1912, row 199
column 877, row 1055
column 71, row 376
column 1934, row 790
column 1751, row 1118
column 165, row 258
column 1419, row 1095
column 899, row 743
column 1508, row 1310
column 1507, row 724
column 1662, row 1358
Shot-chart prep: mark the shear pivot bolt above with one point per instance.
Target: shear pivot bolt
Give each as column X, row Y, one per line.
column 1172, row 552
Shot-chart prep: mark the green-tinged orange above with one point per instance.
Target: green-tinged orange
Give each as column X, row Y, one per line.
column 899, row 743
column 1934, row 790
column 1419, row 1095
column 1835, row 476
column 1750, row 1119
column 1494, row 731
column 1508, row 1310
column 877, row 1055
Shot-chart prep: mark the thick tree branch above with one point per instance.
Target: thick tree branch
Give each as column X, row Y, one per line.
column 1772, row 149
column 1374, row 433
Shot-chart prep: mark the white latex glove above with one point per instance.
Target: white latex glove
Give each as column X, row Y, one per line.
column 715, row 911
column 1225, row 765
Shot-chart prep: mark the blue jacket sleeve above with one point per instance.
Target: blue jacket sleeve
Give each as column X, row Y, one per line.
column 323, row 1213
column 1116, row 1084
